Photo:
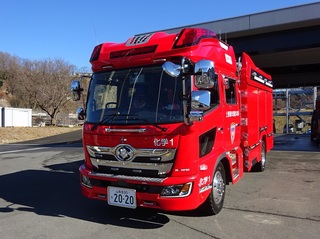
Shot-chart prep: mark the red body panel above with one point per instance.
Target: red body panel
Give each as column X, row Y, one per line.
column 237, row 128
column 257, row 115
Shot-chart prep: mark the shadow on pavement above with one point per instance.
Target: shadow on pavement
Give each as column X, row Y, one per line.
column 56, row 193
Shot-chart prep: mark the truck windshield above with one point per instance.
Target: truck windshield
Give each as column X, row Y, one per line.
column 144, row 95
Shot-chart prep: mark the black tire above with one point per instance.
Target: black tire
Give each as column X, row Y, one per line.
column 214, row 202
column 260, row 166
column 314, row 126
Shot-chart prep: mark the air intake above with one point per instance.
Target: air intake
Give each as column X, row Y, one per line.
column 140, row 39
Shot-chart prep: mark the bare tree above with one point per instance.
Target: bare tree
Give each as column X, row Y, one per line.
column 46, row 84
column 36, row 84
column 9, row 71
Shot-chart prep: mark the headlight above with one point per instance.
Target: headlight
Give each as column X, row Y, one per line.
column 180, row 190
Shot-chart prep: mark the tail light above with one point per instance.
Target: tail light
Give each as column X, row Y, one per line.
column 192, row 36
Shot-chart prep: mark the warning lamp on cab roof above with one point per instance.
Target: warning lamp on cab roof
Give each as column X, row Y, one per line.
column 192, row 36
column 96, row 52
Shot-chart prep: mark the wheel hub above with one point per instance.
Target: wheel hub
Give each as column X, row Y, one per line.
column 218, row 187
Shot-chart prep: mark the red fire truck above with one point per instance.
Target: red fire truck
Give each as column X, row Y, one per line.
column 171, row 119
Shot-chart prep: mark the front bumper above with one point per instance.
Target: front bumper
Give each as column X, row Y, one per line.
column 147, row 190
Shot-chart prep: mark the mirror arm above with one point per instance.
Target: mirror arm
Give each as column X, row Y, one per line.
column 185, row 99
column 183, row 60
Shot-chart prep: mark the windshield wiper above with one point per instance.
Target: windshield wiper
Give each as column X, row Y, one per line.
column 148, row 122
column 132, row 117
column 110, row 117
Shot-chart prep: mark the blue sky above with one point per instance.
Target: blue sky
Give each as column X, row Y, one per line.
column 69, row 29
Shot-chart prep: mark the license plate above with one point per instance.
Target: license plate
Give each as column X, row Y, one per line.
column 122, row 197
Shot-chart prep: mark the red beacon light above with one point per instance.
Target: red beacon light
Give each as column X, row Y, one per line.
column 96, row 53
column 192, row 36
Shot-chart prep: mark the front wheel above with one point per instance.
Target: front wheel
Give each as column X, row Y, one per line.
column 214, row 202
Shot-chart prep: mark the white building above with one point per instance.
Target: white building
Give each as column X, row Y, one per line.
column 15, row 117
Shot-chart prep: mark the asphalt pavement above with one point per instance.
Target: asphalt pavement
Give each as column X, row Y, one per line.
column 295, row 142
column 40, row 197
column 66, row 138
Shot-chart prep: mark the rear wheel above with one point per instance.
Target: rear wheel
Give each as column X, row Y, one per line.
column 260, row 167
column 214, row 202
column 314, row 126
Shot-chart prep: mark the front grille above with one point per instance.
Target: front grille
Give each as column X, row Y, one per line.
column 154, row 163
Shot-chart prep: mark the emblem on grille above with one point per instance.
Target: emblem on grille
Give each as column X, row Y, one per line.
column 124, row 152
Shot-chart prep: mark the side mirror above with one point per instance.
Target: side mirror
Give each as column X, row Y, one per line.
column 200, row 100
column 204, row 74
column 171, row 69
column 175, row 70
column 76, row 90
column 81, row 113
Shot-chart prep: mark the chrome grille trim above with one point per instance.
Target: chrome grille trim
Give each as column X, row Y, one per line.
column 127, row 130
column 137, row 178
column 162, row 168
column 157, row 160
column 165, row 154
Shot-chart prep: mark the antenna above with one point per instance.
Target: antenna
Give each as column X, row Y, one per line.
column 95, row 34
column 220, row 35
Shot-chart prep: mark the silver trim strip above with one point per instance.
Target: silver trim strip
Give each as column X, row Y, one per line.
column 160, row 167
column 137, row 178
column 126, row 130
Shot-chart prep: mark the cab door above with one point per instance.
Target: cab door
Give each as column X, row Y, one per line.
column 232, row 129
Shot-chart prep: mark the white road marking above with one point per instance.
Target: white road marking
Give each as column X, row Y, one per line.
column 22, row 150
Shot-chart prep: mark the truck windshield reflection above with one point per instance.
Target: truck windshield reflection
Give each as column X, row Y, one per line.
column 135, row 96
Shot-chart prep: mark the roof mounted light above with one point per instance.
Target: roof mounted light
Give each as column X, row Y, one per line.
column 192, row 36
column 96, row 53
